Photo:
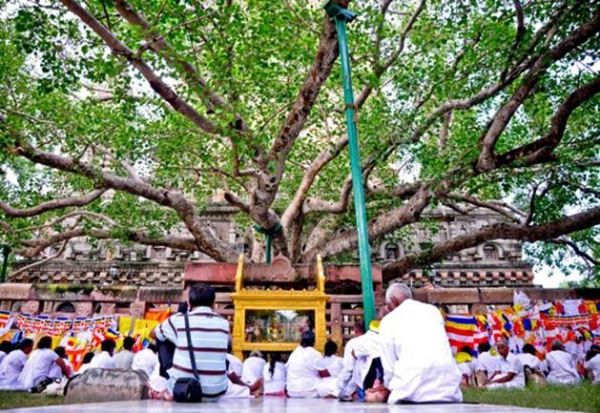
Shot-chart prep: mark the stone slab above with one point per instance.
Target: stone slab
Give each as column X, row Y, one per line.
column 14, row 291
column 272, row 405
column 96, row 385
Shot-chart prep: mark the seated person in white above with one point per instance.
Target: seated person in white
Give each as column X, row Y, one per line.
column 12, row 365
column 37, row 368
column 252, row 367
column 124, row 358
column 415, row 353
column 509, row 371
column 486, row 362
column 146, row 360
column 592, row 364
column 55, row 370
column 466, row 365
column 349, row 381
column 236, row 388
column 561, row 366
column 5, row 348
column 303, row 369
column 529, row 359
column 331, row 366
column 368, row 370
column 86, row 362
column 104, row 360
column 274, row 376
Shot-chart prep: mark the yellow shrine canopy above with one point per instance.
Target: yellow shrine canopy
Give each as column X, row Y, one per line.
column 274, row 319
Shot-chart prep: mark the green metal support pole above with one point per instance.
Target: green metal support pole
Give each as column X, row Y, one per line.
column 342, row 16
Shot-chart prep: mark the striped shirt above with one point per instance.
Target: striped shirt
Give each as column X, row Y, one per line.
column 210, row 334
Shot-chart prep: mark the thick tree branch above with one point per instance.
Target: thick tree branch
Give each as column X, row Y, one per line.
column 543, row 232
column 541, row 149
column 506, row 78
column 327, row 53
column 573, row 246
column 267, row 183
column 314, row 204
column 41, row 262
column 309, row 177
column 173, row 199
column 157, row 84
column 487, row 159
column 520, row 23
column 157, row 42
column 34, row 247
column 11, row 212
column 380, row 69
column 378, row 226
column 502, row 209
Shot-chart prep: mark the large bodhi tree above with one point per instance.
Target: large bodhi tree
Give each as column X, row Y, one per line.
column 121, row 119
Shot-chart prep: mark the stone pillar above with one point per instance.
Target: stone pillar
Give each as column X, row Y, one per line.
column 83, row 309
column 138, row 309
column 108, row 308
column 30, row 307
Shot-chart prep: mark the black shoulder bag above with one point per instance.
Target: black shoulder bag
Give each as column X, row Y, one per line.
column 188, row 389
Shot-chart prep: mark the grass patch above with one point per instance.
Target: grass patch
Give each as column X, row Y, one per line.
column 18, row 399
column 584, row 397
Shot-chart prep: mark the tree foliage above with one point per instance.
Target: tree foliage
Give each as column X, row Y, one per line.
column 121, row 119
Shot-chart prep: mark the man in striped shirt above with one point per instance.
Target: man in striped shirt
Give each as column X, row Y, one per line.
column 209, row 333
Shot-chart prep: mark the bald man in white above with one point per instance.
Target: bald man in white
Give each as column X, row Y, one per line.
column 415, row 353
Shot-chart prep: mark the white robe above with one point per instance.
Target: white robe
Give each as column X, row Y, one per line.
column 235, row 391
column 487, row 362
column 252, row 369
column 10, row 369
column 123, row 359
column 145, row 360
column 593, row 365
column 346, row 383
column 562, row 368
column 510, row 364
column 530, row 360
column 303, row 372
column 102, row 361
column 37, row 367
column 328, row 385
column 56, row 371
column 274, row 384
column 366, row 349
column 416, row 356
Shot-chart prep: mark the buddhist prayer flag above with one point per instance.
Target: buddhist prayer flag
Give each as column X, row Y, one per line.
column 111, row 334
column 125, row 325
column 158, row 314
column 81, row 324
column 4, row 316
column 460, row 330
column 25, row 323
column 572, row 321
column 97, row 336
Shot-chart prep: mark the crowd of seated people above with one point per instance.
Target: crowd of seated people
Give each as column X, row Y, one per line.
column 403, row 357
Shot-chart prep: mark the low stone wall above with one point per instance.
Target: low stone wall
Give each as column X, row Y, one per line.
column 87, row 300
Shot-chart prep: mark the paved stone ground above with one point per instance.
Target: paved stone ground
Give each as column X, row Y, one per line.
column 272, row 405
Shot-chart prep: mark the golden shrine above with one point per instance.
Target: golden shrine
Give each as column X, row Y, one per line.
column 272, row 320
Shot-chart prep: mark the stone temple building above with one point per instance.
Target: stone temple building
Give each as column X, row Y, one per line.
column 133, row 279
column 493, row 264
